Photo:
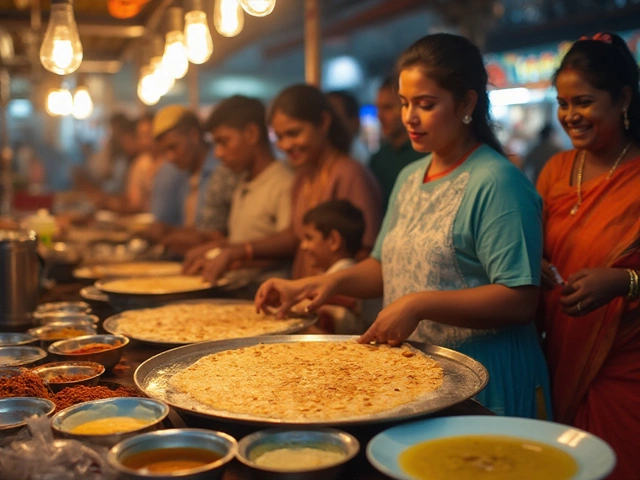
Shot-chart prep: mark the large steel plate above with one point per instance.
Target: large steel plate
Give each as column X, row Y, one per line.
column 114, row 269
column 463, row 378
column 111, row 323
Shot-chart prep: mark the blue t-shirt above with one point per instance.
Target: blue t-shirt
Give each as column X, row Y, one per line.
column 170, row 189
column 480, row 224
column 496, row 229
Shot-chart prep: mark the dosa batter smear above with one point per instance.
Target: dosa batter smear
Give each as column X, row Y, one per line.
column 196, row 322
column 156, row 285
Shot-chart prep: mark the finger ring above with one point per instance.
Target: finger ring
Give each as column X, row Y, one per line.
column 579, row 307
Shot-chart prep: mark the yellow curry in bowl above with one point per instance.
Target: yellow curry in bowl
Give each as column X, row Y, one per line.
column 491, row 457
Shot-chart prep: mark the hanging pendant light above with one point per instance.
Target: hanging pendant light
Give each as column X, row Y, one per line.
column 59, row 102
column 82, row 103
column 61, row 50
column 174, row 57
column 197, row 36
column 228, row 17
column 148, row 91
column 161, row 73
column 258, row 8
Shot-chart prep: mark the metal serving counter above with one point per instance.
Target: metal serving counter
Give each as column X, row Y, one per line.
column 136, row 353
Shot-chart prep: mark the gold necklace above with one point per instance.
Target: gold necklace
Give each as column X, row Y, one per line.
column 575, row 208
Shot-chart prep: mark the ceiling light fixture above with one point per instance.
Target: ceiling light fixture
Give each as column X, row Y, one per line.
column 61, row 50
column 197, row 36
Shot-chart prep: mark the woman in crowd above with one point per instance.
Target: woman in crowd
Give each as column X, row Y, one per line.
column 592, row 236
column 458, row 257
column 317, row 146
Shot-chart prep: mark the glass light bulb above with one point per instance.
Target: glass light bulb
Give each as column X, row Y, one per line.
column 162, row 76
column 148, row 90
column 61, row 50
column 82, row 103
column 175, row 55
column 59, row 102
column 228, row 17
column 258, row 8
column 197, row 37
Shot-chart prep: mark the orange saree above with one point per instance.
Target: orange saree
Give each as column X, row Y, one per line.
column 594, row 359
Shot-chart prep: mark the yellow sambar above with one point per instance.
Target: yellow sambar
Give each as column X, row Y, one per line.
column 491, row 457
column 111, row 425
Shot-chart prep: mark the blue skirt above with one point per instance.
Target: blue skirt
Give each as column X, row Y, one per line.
column 518, row 375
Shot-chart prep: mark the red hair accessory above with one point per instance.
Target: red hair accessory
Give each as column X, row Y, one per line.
column 599, row 37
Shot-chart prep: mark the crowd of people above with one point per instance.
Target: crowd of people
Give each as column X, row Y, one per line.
column 537, row 282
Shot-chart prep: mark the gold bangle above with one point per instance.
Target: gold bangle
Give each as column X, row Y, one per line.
column 633, row 284
column 636, row 290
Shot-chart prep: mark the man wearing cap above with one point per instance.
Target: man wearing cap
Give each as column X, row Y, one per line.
column 181, row 185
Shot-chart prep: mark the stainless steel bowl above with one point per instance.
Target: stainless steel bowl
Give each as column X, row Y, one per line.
column 109, row 358
column 220, row 443
column 258, row 443
column 15, row 411
column 16, row 356
column 49, row 371
column 46, row 318
column 153, row 411
column 92, row 294
column 16, row 339
column 52, row 332
column 63, row 307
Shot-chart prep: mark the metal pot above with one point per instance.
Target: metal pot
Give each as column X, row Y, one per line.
column 20, row 269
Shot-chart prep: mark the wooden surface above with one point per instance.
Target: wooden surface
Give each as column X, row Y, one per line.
column 136, row 353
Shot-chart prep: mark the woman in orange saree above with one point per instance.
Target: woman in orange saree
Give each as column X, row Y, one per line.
column 592, row 235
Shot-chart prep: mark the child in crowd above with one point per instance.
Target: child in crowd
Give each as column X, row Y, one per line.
column 332, row 235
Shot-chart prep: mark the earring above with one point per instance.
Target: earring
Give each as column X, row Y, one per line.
column 466, row 119
column 625, row 120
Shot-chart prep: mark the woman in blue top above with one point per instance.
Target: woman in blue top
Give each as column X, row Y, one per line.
column 458, row 257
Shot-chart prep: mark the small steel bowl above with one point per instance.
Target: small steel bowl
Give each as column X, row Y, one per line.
column 15, row 411
column 154, row 411
column 16, row 339
column 91, row 370
column 109, row 358
column 52, row 332
column 16, row 356
column 63, row 307
column 219, row 443
column 92, row 294
column 253, row 446
column 46, row 318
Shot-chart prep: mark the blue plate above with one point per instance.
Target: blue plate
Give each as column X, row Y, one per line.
column 595, row 458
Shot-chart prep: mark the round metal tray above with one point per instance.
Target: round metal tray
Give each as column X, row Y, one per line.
column 92, row 294
column 111, row 323
column 463, row 378
column 158, row 268
column 130, row 301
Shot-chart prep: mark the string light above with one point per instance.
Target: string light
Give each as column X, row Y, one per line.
column 59, row 102
column 258, row 8
column 228, row 17
column 162, row 75
column 148, row 91
column 174, row 57
column 196, row 34
column 61, row 50
column 82, row 103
